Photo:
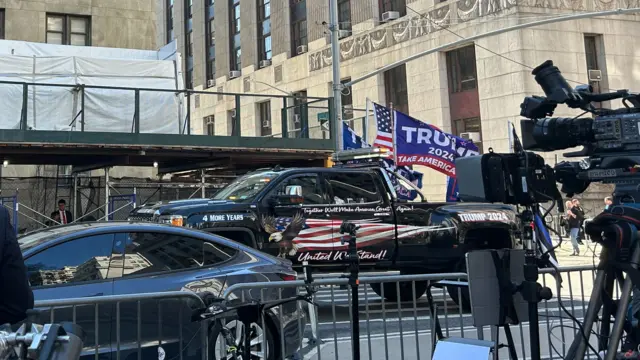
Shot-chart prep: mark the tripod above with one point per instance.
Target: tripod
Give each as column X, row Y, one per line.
column 531, row 291
column 354, row 267
column 604, row 283
column 617, row 231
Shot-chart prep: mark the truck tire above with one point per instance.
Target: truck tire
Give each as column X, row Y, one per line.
column 464, row 300
column 406, row 290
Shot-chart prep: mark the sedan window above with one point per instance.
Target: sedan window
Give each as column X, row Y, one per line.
column 85, row 259
column 148, row 252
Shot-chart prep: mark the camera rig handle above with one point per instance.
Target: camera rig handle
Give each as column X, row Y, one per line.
column 352, row 255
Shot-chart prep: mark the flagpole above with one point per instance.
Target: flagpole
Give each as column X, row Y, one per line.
column 393, row 134
column 366, row 121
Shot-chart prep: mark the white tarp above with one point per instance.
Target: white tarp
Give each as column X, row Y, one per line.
column 105, row 110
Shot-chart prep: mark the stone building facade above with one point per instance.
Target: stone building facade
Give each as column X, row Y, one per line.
column 476, row 87
column 129, row 24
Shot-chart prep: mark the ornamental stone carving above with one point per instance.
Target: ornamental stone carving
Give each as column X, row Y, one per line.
column 453, row 12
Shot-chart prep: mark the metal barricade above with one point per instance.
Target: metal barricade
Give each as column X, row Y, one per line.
column 389, row 329
column 402, row 329
column 134, row 326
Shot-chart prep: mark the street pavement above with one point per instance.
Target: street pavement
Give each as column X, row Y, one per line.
column 390, row 330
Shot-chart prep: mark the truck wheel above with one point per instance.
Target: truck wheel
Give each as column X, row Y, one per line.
column 406, row 290
column 464, row 300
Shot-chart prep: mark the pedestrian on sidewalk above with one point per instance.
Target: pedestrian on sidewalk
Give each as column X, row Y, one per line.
column 608, row 201
column 576, row 217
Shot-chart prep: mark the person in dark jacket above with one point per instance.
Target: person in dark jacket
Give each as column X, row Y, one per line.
column 16, row 296
column 576, row 217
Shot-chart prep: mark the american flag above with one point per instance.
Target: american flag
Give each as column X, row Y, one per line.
column 384, row 137
column 320, row 234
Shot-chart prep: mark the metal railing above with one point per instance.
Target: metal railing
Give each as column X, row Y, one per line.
column 403, row 329
column 133, row 325
column 185, row 103
column 392, row 326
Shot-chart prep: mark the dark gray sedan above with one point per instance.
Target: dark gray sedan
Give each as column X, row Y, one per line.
column 119, row 258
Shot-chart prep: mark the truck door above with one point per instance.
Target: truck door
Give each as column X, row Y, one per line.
column 300, row 231
column 356, row 196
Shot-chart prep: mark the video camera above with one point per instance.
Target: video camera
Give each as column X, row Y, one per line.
column 611, row 143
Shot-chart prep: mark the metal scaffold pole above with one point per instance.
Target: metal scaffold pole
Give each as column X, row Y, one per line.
column 106, row 194
column 75, row 203
column 203, row 183
column 334, row 27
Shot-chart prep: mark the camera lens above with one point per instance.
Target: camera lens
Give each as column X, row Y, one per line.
column 550, row 134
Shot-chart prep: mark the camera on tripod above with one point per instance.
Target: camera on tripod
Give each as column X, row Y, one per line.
column 611, row 147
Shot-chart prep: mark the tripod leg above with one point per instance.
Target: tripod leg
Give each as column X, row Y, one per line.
column 625, row 298
column 607, row 310
column 513, row 355
column 579, row 346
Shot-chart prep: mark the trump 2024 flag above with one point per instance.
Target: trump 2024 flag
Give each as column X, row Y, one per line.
column 418, row 143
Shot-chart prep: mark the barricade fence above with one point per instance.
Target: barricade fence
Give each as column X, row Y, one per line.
column 134, row 326
column 389, row 328
column 37, row 197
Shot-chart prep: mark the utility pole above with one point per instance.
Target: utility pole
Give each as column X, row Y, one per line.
column 334, row 27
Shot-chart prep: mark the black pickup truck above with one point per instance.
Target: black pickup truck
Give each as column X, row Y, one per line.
column 296, row 213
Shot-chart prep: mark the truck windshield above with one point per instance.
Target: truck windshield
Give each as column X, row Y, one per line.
column 247, row 187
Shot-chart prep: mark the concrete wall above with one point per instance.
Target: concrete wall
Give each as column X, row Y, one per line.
column 502, row 83
column 114, row 23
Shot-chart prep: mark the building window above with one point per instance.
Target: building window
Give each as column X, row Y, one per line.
column 344, row 15
column 461, row 67
column 68, row 30
column 210, row 40
column 190, row 44
column 236, row 50
column 189, row 13
column 592, row 54
column 264, row 29
column 188, row 30
column 299, row 111
column 1, row 23
column 392, row 5
column 468, row 125
column 169, row 4
column 347, row 104
column 298, row 25
column 395, row 86
column 209, row 125
column 264, row 109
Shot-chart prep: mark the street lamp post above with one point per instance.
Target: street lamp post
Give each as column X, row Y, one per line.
column 334, row 27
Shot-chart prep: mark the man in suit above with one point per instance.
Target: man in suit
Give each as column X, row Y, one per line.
column 62, row 215
column 16, row 296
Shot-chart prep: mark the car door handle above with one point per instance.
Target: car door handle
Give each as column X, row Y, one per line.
column 96, row 294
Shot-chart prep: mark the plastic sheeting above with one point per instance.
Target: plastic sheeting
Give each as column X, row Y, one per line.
column 105, row 110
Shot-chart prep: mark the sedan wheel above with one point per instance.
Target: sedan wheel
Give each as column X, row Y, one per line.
column 261, row 343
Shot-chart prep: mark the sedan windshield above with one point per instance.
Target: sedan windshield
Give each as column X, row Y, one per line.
column 246, row 187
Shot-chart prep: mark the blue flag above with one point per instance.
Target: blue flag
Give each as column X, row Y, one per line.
column 351, row 141
column 418, row 143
